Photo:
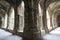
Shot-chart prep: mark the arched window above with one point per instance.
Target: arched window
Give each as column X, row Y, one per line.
column 21, row 17
column 11, row 19
column 4, row 21
column 40, row 20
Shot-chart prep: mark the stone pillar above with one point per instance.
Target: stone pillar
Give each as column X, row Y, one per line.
column 51, row 21
column 7, row 21
column 5, row 24
column 31, row 31
column 8, row 13
column 16, row 20
column 45, row 17
column 0, row 22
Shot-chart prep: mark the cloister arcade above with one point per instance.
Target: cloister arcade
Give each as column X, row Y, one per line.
column 30, row 19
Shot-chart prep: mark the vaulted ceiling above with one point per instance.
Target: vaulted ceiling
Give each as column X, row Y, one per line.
column 6, row 4
column 14, row 2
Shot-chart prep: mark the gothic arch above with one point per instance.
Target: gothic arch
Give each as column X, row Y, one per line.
column 52, row 8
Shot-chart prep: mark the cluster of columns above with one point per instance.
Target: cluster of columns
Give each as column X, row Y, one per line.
column 31, row 31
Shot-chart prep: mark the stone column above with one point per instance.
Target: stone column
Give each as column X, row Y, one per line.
column 8, row 13
column 16, row 20
column 51, row 21
column 44, row 17
column 31, row 31
column 0, row 22
column 5, row 25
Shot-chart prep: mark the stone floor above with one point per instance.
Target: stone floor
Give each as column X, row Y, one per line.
column 4, row 35
column 53, row 35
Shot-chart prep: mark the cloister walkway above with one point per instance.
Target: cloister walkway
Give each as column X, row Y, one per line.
column 53, row 35
column 4, row 35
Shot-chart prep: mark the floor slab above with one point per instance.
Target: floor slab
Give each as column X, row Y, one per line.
column 53, row 35
column 4, row 35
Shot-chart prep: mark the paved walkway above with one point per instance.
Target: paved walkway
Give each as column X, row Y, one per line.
column 4, row 35
column 53, row 35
